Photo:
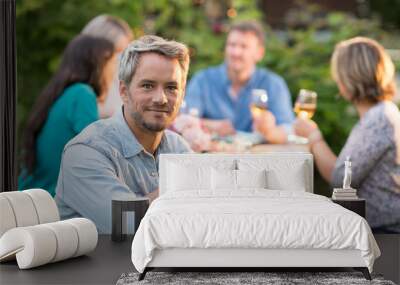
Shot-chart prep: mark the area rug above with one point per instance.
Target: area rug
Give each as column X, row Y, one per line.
column 243, row 278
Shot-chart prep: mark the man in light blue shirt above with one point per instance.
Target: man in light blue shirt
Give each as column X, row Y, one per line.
column 222, row 94
column 118, row 157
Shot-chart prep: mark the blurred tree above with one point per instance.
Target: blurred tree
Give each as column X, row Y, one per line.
column 388, row 11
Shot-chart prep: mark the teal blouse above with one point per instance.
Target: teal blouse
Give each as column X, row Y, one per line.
column 75, row 109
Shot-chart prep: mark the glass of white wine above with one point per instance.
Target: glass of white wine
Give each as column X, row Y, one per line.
column 306, row 104
column 259, row 101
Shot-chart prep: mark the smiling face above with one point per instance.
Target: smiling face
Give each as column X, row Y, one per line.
column 242, row 51
column 155, row 93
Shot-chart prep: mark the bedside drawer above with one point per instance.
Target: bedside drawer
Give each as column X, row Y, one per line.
column 356, row 205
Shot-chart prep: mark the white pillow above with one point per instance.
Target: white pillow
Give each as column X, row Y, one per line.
column 281, row 174
column 279, row 180
column 251, row 178
column 223, row 179
column 184, row 177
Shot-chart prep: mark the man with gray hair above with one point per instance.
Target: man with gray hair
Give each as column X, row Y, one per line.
column 118, row 157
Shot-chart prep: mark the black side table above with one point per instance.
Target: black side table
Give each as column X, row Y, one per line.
column 138, row 205
column 355, row 205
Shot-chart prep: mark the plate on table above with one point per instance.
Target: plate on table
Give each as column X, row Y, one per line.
column 239, row 141
column 294, row 139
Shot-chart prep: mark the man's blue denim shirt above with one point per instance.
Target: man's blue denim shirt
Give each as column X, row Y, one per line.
column 208, row 92
column 106, row 161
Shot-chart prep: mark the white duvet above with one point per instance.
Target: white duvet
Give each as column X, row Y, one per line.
column 250, row 219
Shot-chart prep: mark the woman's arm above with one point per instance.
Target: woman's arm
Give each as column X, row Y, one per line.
column 324, row 157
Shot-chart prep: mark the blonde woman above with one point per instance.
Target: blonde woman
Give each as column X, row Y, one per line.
column 365, row 76
column 118, row 32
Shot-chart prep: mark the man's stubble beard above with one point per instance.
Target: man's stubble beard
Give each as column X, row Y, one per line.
column 140, row 122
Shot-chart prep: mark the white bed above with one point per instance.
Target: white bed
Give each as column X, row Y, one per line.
column 247, row 211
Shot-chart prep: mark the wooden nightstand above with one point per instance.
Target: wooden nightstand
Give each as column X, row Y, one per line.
column 355, row 205
column 138, row 205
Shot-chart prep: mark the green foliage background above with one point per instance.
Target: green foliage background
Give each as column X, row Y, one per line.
column 301, row 56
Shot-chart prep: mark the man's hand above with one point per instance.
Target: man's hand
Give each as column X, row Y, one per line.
column 153, row 195
column 219, row 127
column 264, row 123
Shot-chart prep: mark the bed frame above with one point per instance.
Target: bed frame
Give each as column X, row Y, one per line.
column 245, row 259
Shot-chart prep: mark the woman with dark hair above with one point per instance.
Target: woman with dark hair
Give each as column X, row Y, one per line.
column 64, row 108
column 365, row 76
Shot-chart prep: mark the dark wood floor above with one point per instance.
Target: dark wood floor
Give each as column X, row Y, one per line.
column 389, row 262
column 106, row 264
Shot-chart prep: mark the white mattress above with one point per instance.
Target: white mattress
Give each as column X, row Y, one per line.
column 256, row 218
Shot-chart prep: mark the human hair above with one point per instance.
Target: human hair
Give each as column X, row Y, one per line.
column 250, row 27
column 364, row 69
column 130, row 56
column 108, row 27
column 83, row 61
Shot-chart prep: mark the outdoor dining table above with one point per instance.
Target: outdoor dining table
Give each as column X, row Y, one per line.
column 260, row 148
column 263, row 148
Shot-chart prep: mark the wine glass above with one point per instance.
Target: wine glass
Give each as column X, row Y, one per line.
column 306, row 104
column 259, row 101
